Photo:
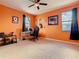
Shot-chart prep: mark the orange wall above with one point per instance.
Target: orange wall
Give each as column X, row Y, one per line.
column 6, row 24
column 55, row 31
column 52, row 31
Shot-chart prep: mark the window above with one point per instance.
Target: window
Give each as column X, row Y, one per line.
column 27, row 23
column 66, row 20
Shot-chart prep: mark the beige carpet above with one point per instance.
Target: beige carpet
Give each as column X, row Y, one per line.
column 42, row 49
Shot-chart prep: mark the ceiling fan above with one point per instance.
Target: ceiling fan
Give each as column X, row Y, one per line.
column 37, row 3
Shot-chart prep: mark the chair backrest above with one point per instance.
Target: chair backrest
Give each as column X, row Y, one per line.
column 36, row 30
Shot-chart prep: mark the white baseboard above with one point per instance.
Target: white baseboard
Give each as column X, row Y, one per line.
column 18, row 39
column 62, row 41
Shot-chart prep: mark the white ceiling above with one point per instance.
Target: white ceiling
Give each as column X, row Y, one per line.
column 23, row 5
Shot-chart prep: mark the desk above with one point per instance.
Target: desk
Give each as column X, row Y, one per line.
column 25, row 35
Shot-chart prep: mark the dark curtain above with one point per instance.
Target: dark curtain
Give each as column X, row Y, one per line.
column 74, row 26
column 23, row 24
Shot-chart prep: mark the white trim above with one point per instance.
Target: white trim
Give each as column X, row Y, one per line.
column 18, row 39
column 62, row 41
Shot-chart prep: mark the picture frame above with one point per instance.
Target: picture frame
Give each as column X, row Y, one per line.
column 53, row 20
column 15, row 19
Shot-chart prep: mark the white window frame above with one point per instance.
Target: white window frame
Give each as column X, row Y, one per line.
column 27, row 24
column 66, row 21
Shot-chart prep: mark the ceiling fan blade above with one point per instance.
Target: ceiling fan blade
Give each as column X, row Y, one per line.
column 38, row 7
column 31, row 5
column 43, row 3
column 32, row 1
column 37, row 1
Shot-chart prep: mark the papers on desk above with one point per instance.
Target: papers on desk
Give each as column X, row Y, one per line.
column 27, row 32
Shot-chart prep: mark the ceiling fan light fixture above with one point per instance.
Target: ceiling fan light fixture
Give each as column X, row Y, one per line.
column 36, row 4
